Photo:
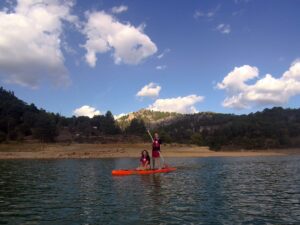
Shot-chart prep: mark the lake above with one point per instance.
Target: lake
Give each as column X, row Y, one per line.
column 249, row 190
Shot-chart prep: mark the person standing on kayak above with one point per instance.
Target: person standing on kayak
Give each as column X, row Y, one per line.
column 156, row 151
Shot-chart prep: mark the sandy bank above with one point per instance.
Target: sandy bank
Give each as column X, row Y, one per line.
column 80, row 151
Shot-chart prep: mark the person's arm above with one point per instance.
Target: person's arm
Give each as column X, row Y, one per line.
column 148, row 164
column 141, row 163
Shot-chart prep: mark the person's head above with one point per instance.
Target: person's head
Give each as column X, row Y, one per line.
column 145, row 153
column 156, row 135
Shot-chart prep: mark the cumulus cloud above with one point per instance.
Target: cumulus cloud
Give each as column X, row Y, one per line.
column 30, row 42
column 235, row 80
column 180, row 104
column 149, row 90
column 129, row 44
column 223, row 28
column 162, row 67
column 119, row 9
column 264, row 92
column 86, row 111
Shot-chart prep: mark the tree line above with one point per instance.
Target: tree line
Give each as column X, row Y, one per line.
column 20, row 121
column 270, row 128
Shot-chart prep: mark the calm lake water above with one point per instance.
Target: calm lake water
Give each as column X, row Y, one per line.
column 252, row 190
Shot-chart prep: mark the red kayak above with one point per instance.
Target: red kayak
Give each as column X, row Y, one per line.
column 141, row 172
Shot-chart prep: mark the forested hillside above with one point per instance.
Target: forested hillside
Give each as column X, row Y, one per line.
column 20, row 121
column 271, row 128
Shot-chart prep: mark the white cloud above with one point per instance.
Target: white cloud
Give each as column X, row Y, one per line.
column 180, row 104
column 149, row 90
column 105, row 33
column 238, row 13
column 86, row 111
column 294, row 71
column 235, row 80
column 30, row 42
column 120, row 115
column 160, row 55
column 119, row 9
column 163, row 53
column 223, row 28
column 265, row 91
column 199, row 14
column 162, row 67
column 208, row 14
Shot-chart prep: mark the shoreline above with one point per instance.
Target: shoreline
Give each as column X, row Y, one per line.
column 98, row 151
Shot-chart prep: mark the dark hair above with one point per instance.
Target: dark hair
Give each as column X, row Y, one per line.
column 147, row 154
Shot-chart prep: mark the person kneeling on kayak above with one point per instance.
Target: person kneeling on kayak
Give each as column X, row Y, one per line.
column 144, row 161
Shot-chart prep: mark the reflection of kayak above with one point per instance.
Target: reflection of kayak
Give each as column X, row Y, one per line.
column 141, row 172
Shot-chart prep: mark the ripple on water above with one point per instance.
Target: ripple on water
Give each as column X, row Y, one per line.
column 252, row 190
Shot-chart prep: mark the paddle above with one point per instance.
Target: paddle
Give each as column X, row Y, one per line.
column 161, row 156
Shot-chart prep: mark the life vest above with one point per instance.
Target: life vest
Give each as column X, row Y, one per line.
column 156, row 145
column 144, row 160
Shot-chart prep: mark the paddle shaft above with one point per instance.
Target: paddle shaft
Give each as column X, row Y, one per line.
column 150, row 135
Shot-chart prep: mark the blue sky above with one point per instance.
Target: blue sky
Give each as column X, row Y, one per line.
column 86, row 57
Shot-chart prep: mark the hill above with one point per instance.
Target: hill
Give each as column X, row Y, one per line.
column 152, row 119
column 271, row 128
column 20, row 121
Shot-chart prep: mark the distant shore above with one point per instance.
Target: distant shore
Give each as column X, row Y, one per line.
column 83, row 151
